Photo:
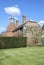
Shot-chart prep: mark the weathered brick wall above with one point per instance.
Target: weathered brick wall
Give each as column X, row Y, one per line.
column 32, row 32
column 9, row 34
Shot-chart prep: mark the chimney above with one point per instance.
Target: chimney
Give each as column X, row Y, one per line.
column 11, row 19
column 24, row 19
column 17, row 22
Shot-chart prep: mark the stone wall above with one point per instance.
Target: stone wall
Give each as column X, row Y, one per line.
column 33, row 33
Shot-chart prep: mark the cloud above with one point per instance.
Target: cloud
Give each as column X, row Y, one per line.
column 41, row 22
column 2, row 28
column 13, row 10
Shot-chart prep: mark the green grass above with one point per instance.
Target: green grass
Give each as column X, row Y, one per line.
column 22, row 56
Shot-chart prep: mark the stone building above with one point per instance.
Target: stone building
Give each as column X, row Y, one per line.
column 29, row 29
column 32, row 31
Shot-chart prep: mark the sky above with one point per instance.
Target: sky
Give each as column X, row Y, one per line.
column 32, row 9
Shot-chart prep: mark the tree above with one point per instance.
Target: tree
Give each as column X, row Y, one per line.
column 43, row 27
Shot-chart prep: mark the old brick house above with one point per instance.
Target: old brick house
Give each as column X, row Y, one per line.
column 29, row 29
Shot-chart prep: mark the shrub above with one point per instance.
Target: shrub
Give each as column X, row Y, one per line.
column 43, row 41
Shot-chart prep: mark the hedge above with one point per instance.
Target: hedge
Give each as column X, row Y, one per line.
column 13, row 42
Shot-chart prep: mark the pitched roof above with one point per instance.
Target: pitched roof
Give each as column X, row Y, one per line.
column 11, row 27
column 19, row 27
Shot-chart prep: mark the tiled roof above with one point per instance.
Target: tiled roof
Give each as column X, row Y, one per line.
column 11, row 27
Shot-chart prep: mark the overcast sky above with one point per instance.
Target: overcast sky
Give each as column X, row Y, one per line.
column 33, row 9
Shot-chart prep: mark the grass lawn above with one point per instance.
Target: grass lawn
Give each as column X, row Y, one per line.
column 22, row 56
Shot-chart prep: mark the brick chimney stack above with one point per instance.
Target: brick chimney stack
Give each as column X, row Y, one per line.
column 17, row 22
column 24, row 19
